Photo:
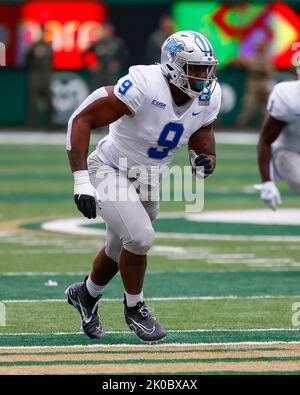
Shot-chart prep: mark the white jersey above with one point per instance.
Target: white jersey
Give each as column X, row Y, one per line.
column 284, row 105
column 157, row 127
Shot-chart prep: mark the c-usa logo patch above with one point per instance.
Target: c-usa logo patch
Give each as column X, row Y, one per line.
column 158, row 104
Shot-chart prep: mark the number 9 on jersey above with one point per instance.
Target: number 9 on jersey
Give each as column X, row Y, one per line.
column 125, row 86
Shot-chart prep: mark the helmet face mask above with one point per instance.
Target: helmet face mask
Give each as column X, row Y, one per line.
column 184, row 51
column 201, row 83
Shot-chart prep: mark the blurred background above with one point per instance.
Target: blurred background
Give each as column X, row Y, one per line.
column 57, row 52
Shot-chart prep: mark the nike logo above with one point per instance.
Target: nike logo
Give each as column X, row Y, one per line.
column 136, row 326
column 85, row 318
column 196, row 113
column 79, row 307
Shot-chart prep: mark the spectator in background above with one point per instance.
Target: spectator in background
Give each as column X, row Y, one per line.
column 158, row 37
column 38, row 62
column 111, row 55
column 258, row 84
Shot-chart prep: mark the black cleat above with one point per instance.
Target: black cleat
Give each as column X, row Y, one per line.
column 141, row 320
column 79, row 297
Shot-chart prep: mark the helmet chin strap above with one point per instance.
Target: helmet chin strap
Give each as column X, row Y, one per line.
column 189, row 92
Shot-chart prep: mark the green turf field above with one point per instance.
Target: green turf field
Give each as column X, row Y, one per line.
column 208, row 281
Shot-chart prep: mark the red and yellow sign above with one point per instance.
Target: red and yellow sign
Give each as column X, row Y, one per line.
column 71, row 27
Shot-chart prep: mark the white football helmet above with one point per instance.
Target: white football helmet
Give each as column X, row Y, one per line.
column 186, row 48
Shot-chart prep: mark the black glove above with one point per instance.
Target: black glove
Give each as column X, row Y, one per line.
column 86, row 204
column 205, row 161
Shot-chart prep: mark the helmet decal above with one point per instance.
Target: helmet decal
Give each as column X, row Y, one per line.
column 173, row 46
column 205, row 45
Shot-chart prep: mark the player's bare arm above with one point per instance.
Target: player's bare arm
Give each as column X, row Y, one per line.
column 202, row 149
column 271, row 129
column 101, row 112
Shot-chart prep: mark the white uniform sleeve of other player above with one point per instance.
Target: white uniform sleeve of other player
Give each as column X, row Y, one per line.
column 278, row 103
column 97, row 94
column 214, row 106
column 132, row 93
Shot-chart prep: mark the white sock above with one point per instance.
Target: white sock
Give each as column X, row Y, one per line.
column 94, row 289
column 132, row 300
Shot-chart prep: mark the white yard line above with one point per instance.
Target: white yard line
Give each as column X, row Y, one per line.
column 161, row 299
column 150, row 346
column 41, row 138
column 43, row 274
column 169, row 331
column 164, row 345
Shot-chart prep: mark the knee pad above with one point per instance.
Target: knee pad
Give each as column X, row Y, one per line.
column 141, row 242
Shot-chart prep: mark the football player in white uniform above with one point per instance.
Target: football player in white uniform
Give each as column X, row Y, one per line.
column 151, row 112
column 279, row 143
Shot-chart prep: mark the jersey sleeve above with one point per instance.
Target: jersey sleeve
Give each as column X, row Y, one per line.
column 131, row 89
column 278, row 104
column 214, row 107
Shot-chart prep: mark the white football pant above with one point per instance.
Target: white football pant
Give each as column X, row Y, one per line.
column 128, row 218
column 287, row 165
